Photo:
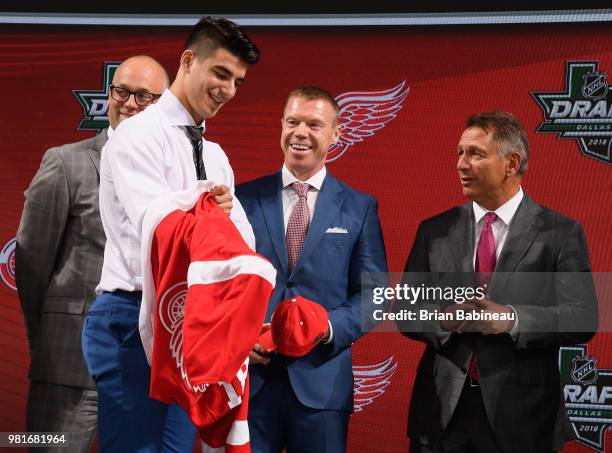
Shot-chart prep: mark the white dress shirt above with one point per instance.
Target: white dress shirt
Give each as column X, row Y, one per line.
column 148, row 156
column 501, row 225
column 290, row 199
column 505, row 214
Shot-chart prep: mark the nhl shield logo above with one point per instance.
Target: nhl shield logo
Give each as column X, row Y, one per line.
column 7, row 264
column 595, row 85
column 584, row 370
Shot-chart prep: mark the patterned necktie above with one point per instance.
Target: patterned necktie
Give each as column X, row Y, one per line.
column 484, row 267
column 485, row 253
column 297, row 227
column 195, row 137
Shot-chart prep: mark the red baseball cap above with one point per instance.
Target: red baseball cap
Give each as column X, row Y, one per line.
column 298, row 325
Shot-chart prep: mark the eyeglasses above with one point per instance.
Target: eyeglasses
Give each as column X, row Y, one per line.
column 142, row 98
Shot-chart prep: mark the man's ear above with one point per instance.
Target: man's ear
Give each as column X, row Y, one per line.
column 513, row 162
column 187, row 58
column 337, row 133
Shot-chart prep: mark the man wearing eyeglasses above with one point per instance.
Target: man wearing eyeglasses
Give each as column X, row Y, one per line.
column 60, row 245
column 153, row 157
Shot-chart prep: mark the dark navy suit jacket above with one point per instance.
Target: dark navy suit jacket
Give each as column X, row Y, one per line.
column 328, row 271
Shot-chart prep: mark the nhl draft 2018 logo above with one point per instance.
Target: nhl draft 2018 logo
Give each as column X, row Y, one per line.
column 583, row 112
column 95, row 102
column 588, row 396
column 7, row 263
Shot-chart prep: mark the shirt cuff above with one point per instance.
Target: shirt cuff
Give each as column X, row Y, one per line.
column 331, row 333
column 514, row 332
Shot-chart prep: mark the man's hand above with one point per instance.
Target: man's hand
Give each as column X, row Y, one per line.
column 492, row 327
column 258, row 356
column 454, row 325
column 223, row 197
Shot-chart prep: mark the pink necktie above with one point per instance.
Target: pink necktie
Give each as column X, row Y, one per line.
column 485, row 265
column 297, row 227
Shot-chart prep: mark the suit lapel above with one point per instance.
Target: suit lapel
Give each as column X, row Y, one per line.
column 522, row 231
column 270, row 198
column 328, row 203
column 462, row 239
column 94, row 152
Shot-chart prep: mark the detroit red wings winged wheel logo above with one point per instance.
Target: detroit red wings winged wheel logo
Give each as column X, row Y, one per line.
column 171, row 310
column 7, row 263
column 363, row 113
column 371, row 381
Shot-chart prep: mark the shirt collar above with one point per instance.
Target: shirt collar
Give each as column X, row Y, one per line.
column 110, row 131
column 505, row 212
column 175, row 111
column 315, row 180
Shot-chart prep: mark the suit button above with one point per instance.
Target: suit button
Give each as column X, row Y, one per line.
column 290, row 284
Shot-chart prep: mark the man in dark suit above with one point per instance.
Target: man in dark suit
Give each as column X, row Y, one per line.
column 493, row 385
column 60, row 245
column 320, row 235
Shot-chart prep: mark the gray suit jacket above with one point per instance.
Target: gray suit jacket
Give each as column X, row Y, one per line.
column 543, row 271
column 60, row 247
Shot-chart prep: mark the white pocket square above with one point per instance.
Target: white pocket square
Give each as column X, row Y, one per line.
column 337, row 230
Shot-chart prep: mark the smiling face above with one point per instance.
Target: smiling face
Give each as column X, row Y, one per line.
column 136, row 74
column 205, row 84
column 309, row 128
column 486, row 176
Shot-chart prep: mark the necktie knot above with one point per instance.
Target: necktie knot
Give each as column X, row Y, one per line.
column 194, row 133
column 300, row 188
column 485, row 252
column 490, row 217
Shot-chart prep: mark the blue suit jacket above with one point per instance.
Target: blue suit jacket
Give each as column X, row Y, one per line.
column 328, row 271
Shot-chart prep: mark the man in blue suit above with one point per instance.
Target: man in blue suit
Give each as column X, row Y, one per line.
column 320, row 235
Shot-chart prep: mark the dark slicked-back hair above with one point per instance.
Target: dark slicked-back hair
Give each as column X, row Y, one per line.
column 211, row 34
column 311, row 92
column 507, row 132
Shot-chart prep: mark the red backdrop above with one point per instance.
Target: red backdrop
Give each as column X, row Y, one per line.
column 409, row 165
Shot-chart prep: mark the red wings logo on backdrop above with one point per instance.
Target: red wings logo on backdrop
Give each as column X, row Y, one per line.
column 371, row 381
column 7, row 263
column 362, row 113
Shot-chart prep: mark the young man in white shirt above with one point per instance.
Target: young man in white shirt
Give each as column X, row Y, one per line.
column 148, row 158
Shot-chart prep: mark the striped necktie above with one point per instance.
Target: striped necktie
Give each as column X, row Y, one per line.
column 195, row 137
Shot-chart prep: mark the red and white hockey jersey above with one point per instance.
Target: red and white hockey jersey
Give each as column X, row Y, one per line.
column 205, row 294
